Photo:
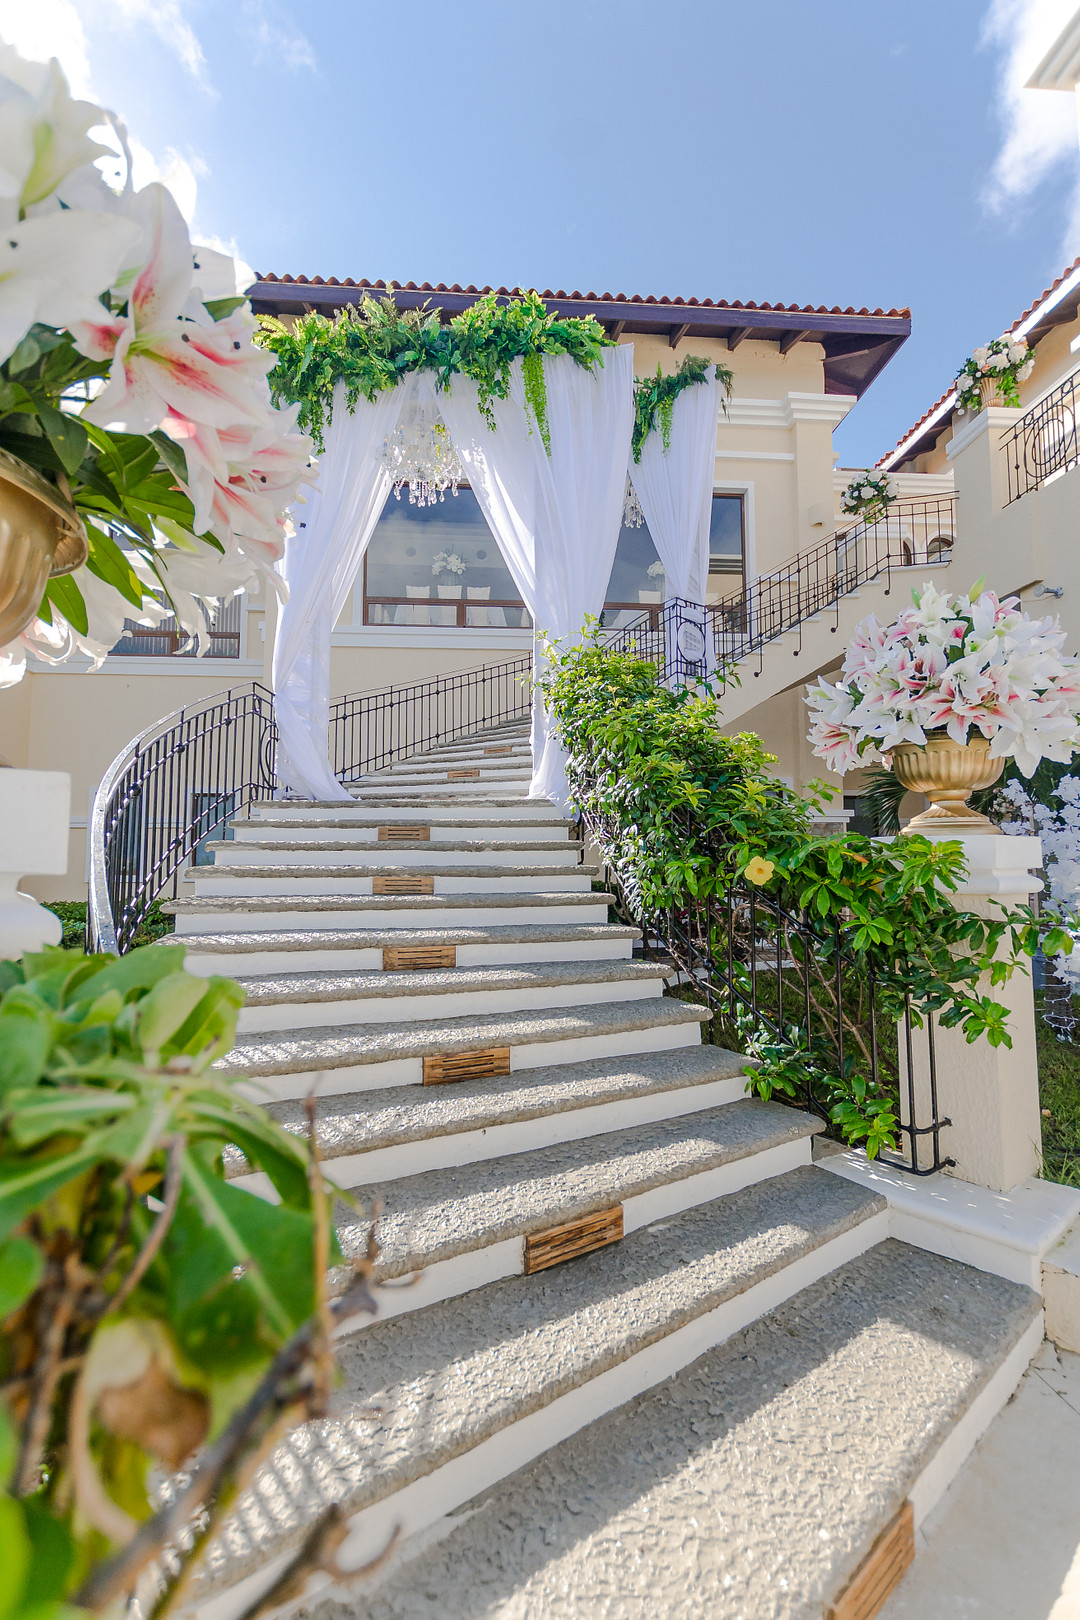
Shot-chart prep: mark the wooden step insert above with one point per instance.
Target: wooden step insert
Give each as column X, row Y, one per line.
column 404, row 834
column 471, row 775
column 505, row 749
column 403, row 883
column 416, row 958
column 478, row 1065
column 880, row 1572
column 566, row 1242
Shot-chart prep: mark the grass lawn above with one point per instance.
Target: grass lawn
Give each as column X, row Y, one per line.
column 1059, row 1094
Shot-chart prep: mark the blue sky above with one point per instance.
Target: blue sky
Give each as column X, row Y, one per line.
column 844, row 151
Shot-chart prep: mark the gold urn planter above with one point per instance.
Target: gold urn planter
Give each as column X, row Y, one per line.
column 947, row 772
column 41, row 535
column 990, row 391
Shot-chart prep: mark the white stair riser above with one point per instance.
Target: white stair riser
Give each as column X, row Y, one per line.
column 407, row 1009
column 523, row 810
column 432, row 1496
column 522, row 1136
column 292, row 922
column 367, row 833
column 491, row 770
column 369, row 854
column 213, row 881
column 409, row 1071
column 257, row 964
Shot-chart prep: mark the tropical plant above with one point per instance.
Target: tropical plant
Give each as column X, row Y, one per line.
column 694, row 825
column 155, row 1314
column 129, row 380
column 654, row 397
column 952, row 665
column 1005, row 361
column 371, row 346
column 869, row 495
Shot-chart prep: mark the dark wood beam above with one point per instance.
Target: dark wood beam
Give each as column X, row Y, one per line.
column 788, row 340
column 736, row 335
column 617, row 329
column 676, row 334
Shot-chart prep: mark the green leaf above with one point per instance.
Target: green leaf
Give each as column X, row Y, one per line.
column 25, row 1040
column 66, row 434
column 14, row 1556
column 171, row 454
column 23, row 1187
column 67, row 598
column 220, row 308
column 22, row 1267
column 53, row 1559
column 108, row 562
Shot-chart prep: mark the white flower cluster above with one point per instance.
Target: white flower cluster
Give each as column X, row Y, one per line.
column 1006, row 361
column 870, row 493
column 952, row 664
column 1060, row 834
column 655, row 570
column 447, row 562
column 117, row 269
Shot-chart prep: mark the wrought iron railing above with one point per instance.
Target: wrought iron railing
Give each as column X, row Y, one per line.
column 690, row 642
column 765, row 969
column 179, row 782
column 1045, row 441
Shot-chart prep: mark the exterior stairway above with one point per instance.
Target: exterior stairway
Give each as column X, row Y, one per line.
column 656, row 1361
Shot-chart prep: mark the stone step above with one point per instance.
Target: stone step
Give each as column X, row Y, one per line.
column 293, row 912
column 310, row 1000
column 468, row 792
column 472, row 1389
column 751, row 1483
column 338, row 950
column 317, row 878
column 403, row 1131
column 362, row 827
column 491, row 767
column 449, row 807
column 333, row 1058
column 286, row 850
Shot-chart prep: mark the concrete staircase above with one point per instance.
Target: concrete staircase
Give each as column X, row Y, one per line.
column 655, row 1361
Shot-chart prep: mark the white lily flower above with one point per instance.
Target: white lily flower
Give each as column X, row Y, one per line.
column 43, row 129
column 53, row 268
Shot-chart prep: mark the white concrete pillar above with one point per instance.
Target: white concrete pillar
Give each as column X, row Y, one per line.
column 35, row 816
column 990, row 1093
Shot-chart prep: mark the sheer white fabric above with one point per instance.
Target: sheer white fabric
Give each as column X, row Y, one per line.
column 675, row 488
column 333, row 527
column 556, row 518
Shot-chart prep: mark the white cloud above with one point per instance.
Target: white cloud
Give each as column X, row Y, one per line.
column 1039, row 130
column 50, row 28
column 167, row 19
column 278, row 42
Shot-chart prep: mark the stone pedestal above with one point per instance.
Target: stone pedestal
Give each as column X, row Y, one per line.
column 35, row 815
column 990, row 1093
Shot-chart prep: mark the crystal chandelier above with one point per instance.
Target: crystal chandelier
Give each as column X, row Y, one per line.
column 420, row 453
column 632, row 515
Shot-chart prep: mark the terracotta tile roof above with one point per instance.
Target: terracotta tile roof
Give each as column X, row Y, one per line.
column 587, row 297
column 910, row 440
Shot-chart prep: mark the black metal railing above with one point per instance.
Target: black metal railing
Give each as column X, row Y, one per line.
column 178, row 783
column 690, row 642
column 770, row 973
column 1044, row 442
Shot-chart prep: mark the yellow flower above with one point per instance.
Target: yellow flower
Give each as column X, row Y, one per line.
column 759, row 871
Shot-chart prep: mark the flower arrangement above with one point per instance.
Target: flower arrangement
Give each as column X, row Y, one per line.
column 655, row 570
column 869, row 495
column 952, row 665
column 998, row 367
column 447, row 562
column 130, row 381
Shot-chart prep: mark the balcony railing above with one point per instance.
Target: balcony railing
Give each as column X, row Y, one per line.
column 1044, row 443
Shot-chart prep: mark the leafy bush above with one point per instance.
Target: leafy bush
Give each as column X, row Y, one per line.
column 149, row 1306
column 686, row 815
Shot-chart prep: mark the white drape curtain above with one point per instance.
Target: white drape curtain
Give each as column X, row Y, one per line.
column 675, row 488
column 334, row 526
column 556, row 517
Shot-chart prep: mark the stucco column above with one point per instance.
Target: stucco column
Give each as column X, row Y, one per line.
column 35, row 813
column 990, row 1093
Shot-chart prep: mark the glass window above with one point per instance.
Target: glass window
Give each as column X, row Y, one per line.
column 440, row 565
column 166, row 639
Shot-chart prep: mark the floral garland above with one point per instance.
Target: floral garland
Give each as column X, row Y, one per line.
column 952, row 665
column 372, row 346
column 654, row 397
column 1006, row 361
column 870, row 495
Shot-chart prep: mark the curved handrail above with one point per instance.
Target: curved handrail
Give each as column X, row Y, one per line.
column 182, row 778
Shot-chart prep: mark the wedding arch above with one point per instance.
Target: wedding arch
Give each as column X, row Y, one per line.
column 545, row 420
